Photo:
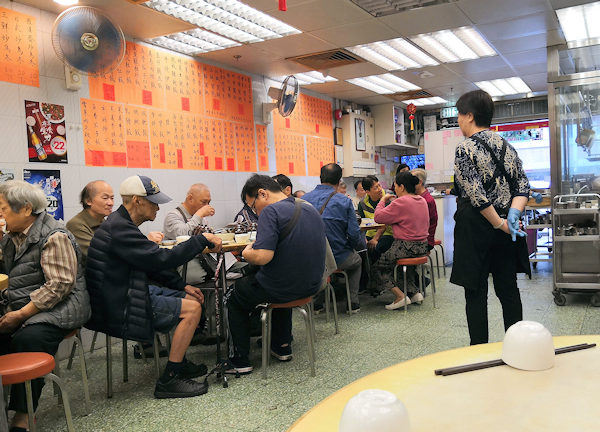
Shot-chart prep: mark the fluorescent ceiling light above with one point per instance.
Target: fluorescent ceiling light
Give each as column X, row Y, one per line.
column 504, row 87
column 426, row 101
column 66, row 2
column 175, row 45
column 307, row 78
column 230, row 18
column 580, row 23
column 460, row 44
column 383, row 84
column 393, row 54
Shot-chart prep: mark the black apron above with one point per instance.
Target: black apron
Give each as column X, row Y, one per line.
column 477, row 243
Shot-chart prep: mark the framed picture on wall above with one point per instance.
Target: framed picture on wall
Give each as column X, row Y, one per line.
column 359, row 131
column 337, row 136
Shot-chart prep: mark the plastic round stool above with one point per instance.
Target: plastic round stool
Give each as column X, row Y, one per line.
column 23, row 367
column 437, row 263
column 416, row 261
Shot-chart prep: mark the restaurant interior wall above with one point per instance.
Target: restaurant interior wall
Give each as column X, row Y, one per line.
column 225, row 186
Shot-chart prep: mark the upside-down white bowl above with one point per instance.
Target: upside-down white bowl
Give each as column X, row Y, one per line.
column 528, row 345
column 374, row 411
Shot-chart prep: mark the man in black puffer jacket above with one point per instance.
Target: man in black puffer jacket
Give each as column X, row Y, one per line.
column 121, row 261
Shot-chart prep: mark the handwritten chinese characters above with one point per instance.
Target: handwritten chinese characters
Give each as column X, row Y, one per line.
column 18, row 48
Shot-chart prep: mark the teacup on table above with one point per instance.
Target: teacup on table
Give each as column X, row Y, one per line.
column 181, row 239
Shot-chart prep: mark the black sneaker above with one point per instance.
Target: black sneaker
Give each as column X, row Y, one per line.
column 178, row 387
column 282, row 353
column 355, row 308
column 192, row 370
column 239, row 365
column 148, row 352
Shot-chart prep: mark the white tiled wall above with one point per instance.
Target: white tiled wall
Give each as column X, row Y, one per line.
column 225, row 186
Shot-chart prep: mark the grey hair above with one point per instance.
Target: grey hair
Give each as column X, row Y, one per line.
column 18, row 194
column 421, row 174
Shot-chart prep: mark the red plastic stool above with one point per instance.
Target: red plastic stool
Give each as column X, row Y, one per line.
column 421, row 263
column 304, row 305
column 437, row 263
column 23, row 367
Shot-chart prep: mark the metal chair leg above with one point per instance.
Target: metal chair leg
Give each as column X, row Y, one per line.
column 57, row 372
column 405, row 291
column 84, row 377
column 109, row 389
column 30, row 412
column 265, row 351
column 328, row 289
column 269, row 333
column 70, row 363
column 335, row 314
column 125, row 367
column 443, row 259
column 65, row 399
column 311, row 346
column 93, row 342
column 437, row 261
column 432, row 285
column 156, row 354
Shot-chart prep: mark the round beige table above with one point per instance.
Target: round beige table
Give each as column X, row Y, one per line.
column 564, row 398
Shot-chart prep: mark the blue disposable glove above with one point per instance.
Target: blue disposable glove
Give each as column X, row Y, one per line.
column 537, row 196
column 514, row 215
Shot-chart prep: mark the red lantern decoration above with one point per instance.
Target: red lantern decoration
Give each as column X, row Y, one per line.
column 411, row 109
column 282, row 5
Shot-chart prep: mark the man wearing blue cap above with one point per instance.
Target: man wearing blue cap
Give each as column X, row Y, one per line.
column 122, row 261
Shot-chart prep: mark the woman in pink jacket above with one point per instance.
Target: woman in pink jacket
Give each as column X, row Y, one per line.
column 409, row 217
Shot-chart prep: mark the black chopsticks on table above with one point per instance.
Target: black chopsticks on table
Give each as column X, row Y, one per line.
column 492, row 363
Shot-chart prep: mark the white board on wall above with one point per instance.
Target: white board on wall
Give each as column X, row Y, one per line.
column 439, row 154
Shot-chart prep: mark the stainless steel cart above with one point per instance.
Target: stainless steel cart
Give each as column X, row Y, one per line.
column 576, row 258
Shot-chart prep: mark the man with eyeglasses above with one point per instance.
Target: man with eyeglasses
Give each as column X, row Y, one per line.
column 121, row 261
column 290, row 248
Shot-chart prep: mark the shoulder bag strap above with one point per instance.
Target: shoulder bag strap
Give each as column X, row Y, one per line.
column 322, row 209
column 292, row 223
column 182, row 214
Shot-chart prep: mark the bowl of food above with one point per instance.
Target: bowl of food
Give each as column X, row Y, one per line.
column 528, row 345
column 53, row 113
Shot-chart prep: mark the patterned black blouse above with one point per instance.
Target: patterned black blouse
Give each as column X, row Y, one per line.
column 474, row 167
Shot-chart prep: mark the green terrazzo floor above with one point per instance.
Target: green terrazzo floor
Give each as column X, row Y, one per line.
column 369, row 341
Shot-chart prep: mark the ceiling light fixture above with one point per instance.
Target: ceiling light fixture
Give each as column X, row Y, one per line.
column 230, row 18
column 460, row 44
column 66, row 2
column 504, row 87
column 175, row 45
column 580, row 23
column 383, row 84
column 307, row 78
column 426, row 101
column 393, row 54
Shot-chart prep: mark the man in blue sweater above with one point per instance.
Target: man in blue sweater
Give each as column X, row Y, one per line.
column 125, row 304
column 341, row 226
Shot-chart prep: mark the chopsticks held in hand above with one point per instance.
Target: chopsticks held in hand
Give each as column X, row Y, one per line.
column 492, row 363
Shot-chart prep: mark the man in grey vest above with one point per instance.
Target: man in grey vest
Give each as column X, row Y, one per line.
column 46, row 296
column 190, row 214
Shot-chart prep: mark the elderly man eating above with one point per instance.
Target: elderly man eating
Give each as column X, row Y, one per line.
column 121, row 261
column 46, row 297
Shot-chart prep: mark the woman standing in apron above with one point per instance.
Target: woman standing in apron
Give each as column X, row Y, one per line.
column 492, row 191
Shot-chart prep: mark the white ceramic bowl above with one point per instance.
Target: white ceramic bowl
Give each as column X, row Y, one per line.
column 242, row 238
column 225, row 236
column 528, row 345
column 181, row 239
column 374, row 411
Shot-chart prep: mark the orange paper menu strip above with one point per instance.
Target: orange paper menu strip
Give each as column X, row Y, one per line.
column 261, row 148
column 319, row 152
column 18, row 48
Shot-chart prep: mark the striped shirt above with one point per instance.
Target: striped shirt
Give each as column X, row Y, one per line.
column 59, row 264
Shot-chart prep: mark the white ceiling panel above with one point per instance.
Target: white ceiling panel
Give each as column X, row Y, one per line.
column 426, row 20
column 358, row 33
column 559, row 4
column 537, row 82
column 485, row 64
column 271, row 5
column 372, row 100
column 537, row 56
column 353, row 92
column 524, row 26
column 320, row 14
column 432, row 76
column 531, row 69
column 452, row 92
column 356, row 71
column 252, row 59
column 520, row 44
column 294, row 45
column 331, row 87
column 491, row 11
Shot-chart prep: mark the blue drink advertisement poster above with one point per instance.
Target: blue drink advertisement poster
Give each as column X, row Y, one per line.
column 49, row 181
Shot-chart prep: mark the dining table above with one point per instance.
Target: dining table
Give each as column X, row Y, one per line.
column 498, row 399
